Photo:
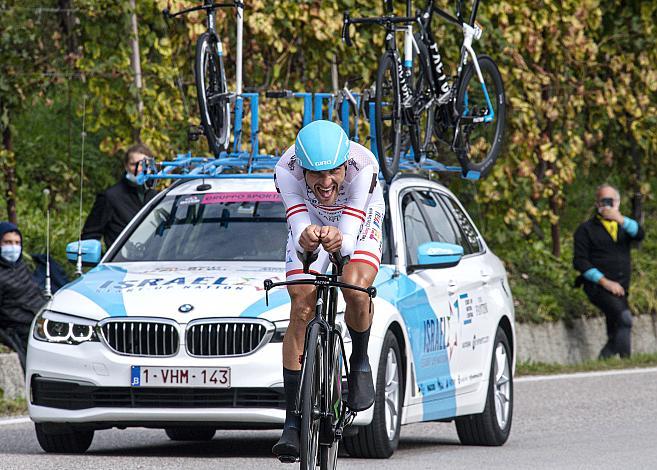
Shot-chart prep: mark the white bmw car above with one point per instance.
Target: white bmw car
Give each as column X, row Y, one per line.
column 170, row 330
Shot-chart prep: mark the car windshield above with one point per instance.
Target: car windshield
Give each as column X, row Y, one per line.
column 210, row 227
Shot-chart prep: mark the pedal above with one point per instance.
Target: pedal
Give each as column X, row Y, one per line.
column 287, row 458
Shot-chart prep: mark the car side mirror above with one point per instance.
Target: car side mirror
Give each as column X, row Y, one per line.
column 91, row 252
column 436, row 255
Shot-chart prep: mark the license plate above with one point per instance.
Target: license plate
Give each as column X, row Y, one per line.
column 214, row 377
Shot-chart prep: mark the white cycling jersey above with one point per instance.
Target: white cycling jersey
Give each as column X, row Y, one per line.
column 358, row 210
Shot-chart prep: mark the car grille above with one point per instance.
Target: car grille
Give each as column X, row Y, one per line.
column 75, row 396
column 141, row 337
column 214, row 338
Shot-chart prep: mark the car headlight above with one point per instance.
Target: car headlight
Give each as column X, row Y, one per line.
column 54, row 327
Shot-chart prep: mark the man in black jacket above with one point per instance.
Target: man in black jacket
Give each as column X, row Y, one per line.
column 20, row 297
column 115, row 207
column 602, row 256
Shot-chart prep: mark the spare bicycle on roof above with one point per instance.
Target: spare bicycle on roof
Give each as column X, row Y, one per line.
column 417, row 113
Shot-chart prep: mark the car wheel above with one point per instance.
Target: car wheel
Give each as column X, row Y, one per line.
column 190, row 433
column 380, row 438
column 493, row 425
column 63, row 439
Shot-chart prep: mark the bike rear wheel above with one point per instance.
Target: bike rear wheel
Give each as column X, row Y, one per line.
column 310, row 400
column 387, row 111
column 212, row 92
column 329, row 453
column 478, row 138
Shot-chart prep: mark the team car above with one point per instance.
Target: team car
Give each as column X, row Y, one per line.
column 171, row 329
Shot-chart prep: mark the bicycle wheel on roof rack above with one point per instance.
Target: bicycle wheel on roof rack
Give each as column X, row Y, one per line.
column 387, row 112
column 424, row 104
column 481, row 117
column 212, row 92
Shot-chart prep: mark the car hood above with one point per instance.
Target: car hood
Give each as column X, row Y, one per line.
column 178, row 290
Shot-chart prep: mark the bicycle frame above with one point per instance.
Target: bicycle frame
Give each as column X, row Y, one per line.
column 325, row 313
column 471, row 32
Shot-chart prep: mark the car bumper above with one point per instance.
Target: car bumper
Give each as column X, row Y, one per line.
column 88, row 383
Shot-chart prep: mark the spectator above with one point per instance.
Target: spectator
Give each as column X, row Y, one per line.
column 602, row 256
column 115, row 207
column 20, row 297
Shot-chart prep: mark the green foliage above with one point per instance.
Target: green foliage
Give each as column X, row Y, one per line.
column 612, row 363
column 579, row 76
column 12, row 407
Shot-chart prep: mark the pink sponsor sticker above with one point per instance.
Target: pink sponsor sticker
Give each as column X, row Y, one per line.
column 220, row 198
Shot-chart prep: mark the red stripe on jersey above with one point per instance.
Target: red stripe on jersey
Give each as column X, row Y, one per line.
column 298, row 211
column 366, row 262
column 355, row 210
column 295, row 206
column 361, row 252
column 298, row 271
column 358, row 216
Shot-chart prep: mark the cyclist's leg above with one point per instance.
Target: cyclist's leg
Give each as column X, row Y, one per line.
column 301, row 311
column 361, row 271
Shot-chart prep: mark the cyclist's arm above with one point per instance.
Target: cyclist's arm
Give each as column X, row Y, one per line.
column 353, row 215
column 296, row 211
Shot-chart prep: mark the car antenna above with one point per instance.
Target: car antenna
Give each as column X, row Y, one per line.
column 78, row 263
column 47, row 290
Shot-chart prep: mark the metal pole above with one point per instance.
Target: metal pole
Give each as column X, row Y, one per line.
column 238, row 65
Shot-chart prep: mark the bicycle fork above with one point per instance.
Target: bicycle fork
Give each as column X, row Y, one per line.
column 471, row 33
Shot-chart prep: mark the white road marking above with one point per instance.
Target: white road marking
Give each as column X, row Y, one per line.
column 577, row 375
column 19, row 420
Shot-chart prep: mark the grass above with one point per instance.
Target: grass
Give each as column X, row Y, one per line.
column 4, row 349
column 13, row 407
column 541, row 368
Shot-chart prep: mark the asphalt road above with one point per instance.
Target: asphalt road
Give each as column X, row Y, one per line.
column 581, row 421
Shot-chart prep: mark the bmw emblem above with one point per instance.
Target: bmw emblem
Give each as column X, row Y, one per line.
column 185, row 308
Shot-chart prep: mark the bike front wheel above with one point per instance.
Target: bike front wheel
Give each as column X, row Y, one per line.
column 310, row 400
column 481, row 110
column 212, row 92
column 328, row 459
column 387, row 112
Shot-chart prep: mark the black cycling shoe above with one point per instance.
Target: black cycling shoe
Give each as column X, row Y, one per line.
column 361, row 390
column 287, row 447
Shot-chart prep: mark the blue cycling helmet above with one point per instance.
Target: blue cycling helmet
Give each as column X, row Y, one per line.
column 322, row 145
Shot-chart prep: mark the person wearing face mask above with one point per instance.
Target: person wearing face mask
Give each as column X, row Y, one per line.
column 116, row 206
column 602, row 256
column 20, row 297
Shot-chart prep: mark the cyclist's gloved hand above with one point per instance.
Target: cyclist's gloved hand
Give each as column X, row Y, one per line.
column 310, row 238
column 331, row 239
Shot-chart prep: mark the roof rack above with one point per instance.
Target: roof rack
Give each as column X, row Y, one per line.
column 240, row 163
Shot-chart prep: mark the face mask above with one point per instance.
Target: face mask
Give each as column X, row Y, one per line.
column 132, row 178
column 11, row 252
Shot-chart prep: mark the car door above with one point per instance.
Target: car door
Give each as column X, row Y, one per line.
column 424, row 305
column 481, row 330
column 465, row 293
column 470, row 303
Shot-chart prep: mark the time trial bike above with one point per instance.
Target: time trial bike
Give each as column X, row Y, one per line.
column 324, row 414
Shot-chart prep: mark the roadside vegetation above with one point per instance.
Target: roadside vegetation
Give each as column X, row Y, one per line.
column 540, row 368
column 580, row 79
column 12, row 407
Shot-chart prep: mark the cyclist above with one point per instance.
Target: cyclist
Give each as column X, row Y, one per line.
column 333, row 202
